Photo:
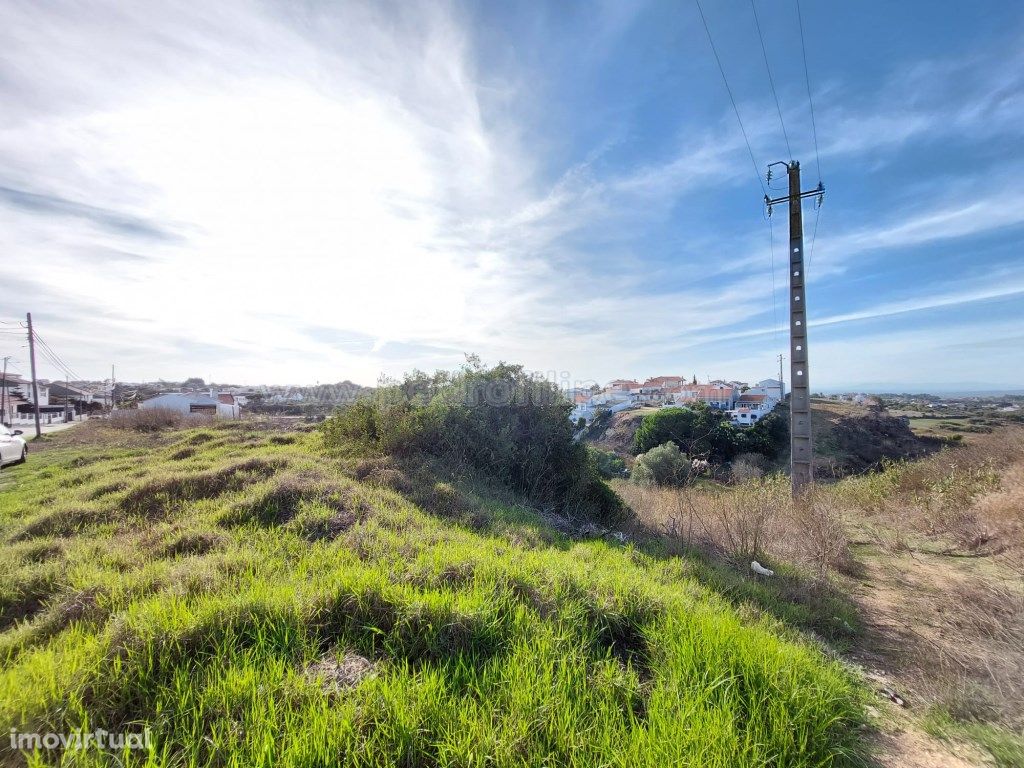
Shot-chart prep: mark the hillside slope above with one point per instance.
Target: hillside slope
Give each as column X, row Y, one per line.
column 254, row 600
column 848, row 438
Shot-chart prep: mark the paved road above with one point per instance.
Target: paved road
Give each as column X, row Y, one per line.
column 29, row 430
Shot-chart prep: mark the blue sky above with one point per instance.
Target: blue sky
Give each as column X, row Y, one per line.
column 261, row 192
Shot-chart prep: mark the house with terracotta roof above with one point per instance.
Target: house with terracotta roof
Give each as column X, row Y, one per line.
column 623, row 386
column 721, row 396
column 663, row 382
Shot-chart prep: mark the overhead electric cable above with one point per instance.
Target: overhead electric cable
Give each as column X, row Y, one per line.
column 771, row 80
column 807, row 79
column 732, row 99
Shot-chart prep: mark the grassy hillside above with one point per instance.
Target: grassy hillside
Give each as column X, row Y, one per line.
column 255, row 599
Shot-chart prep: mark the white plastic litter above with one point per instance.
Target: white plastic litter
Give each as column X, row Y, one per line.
column 760, row 570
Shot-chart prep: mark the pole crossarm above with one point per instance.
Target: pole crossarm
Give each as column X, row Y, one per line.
column 820, row 190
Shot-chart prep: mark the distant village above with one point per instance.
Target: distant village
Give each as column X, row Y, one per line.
column 61, row 401
column 745, row 403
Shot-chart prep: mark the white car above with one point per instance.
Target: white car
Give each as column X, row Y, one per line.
column 13, row 448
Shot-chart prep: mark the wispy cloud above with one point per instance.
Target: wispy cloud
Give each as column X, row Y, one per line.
column 287, row 191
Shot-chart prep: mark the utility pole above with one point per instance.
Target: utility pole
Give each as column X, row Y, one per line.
column 782, row 381
column 801, row 446
column 35, row 385
column 3, row 394
column 113, row 384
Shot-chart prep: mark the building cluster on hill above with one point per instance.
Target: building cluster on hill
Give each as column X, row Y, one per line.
column 746, row 404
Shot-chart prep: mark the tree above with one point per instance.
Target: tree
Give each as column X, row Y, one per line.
column 769, row 436
column 698, row 430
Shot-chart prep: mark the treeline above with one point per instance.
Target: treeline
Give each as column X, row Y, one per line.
column 704, row 432
column 675, row 445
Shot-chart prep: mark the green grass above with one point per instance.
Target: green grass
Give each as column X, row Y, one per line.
column 931, row 426
column 186, row 586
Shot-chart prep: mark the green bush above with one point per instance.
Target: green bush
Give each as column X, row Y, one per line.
column 606, row 463
column 501, row 422
column 768, row 437
column 662, row 465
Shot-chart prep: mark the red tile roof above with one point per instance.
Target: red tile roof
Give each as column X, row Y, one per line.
column 661, row 381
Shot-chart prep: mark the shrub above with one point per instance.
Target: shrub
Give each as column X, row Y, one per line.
column 501, row 422
column 147, row 419
column 768, row 437
column 606, row 463
column 748, row 466
column 663, row 465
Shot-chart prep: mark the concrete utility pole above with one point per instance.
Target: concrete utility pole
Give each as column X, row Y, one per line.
column 32, row 360
column 3, row 394
column 801, row 446
column 782, row 381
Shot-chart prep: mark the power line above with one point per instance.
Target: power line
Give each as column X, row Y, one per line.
column 807, row 79
column 735, row 109
column 50, row 358
column 771, row 80
column 55, row 359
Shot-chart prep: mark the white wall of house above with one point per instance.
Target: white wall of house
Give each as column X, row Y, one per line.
column 228, row 410
column 175, row 401
column 44, row 392
column 770, row 388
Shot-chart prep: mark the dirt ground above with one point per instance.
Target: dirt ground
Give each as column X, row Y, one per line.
column 940, row 630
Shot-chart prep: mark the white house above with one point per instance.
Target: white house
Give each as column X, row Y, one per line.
column 773, row 389
column 750, row 409
column 14, row 384
column 222, row 405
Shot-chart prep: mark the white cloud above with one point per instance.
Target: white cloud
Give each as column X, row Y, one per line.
column 202, row 185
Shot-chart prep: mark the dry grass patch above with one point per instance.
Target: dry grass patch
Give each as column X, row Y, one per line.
column 192, row 543
column 65, row 522
column 337, row 674
column 971, row 496
column 756, row 519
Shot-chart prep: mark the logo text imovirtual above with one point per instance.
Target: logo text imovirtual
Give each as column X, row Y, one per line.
column 76, row 740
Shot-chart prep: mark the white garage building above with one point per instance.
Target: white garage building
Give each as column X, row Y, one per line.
column 223, row 405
